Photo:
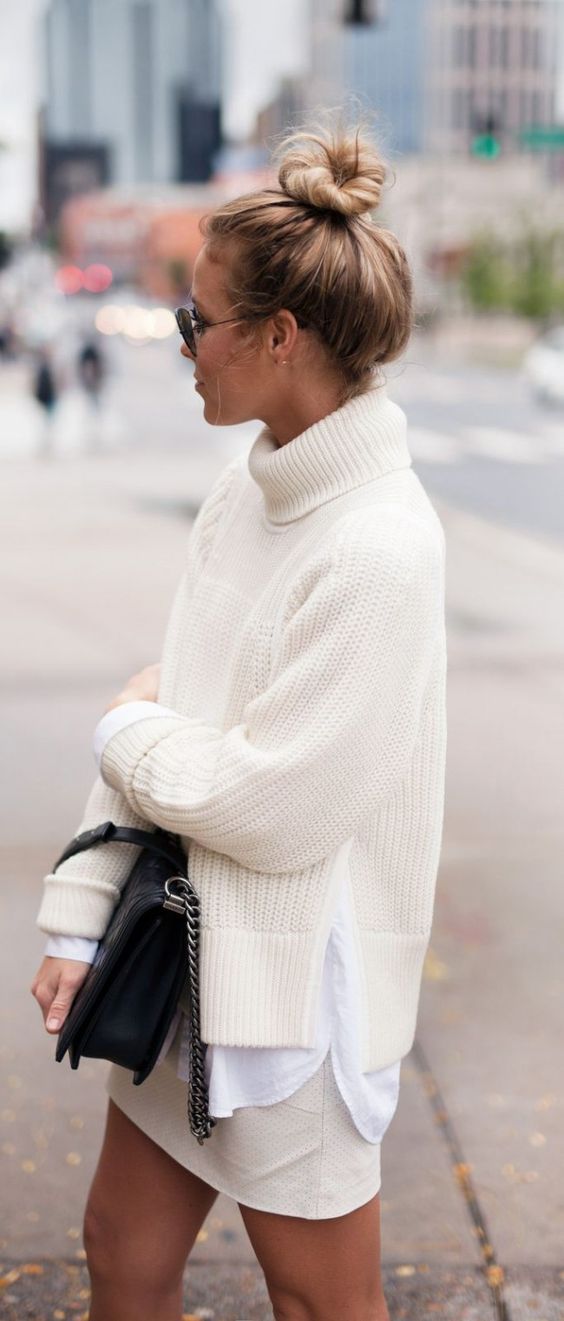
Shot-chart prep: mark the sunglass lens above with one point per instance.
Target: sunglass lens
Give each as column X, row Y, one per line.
column 185, row 327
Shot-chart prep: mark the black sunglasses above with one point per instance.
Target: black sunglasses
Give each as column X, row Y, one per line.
column 187, row 320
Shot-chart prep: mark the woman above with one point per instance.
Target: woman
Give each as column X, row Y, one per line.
column 294, row 736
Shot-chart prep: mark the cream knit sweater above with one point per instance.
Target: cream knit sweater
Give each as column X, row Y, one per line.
column 305, row 657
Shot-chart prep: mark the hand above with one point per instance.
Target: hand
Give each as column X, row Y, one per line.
column 141, row 687
column 54, row 986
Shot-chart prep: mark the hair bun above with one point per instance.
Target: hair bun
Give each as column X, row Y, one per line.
column 334, row 171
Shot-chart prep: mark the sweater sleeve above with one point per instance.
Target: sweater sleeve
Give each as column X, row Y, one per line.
column 80, row 897
column 335, row 730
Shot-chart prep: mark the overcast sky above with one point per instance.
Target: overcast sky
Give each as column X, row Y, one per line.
column 266, row 41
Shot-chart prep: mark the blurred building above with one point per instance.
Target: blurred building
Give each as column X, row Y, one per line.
column 384, row 63
column 282, row 112
column 149, row 235
column 381, row 62
column 495, row 72
column 469, row 95
column 133, row 86
column 438, row 73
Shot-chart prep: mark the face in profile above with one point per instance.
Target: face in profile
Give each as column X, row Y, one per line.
column 229, row 369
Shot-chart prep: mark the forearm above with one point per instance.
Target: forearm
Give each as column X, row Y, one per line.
column 80, row 897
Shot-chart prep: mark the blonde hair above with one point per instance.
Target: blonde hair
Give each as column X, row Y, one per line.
column 312, row 246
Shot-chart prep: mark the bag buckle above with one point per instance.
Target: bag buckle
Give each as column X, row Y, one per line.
column 175, row 902
column 103, row 833
column 107, row 831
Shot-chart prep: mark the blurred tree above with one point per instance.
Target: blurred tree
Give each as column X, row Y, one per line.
column 524, row 275
column 179, row 275
column 536, row 285
column 51, row 238
column 484, row 274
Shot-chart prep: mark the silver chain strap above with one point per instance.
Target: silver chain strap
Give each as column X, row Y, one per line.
column 187, row 901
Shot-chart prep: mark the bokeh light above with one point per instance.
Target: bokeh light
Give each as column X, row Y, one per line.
column 97, row 278
column 69, row 279
column 163, row 321
column 109, row 320
column 137, row 324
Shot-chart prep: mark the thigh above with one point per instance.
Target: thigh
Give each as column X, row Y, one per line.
column 320, row 1268
column 143, row 1200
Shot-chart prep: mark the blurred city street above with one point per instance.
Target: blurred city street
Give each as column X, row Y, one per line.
column 485, row 1192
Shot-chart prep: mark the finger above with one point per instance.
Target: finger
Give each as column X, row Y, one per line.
column 60, row 1006
column 44, row 995
column 43, row 986
column 149, row 672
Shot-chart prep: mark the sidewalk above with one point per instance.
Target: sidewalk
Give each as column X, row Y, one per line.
column 472, row 1211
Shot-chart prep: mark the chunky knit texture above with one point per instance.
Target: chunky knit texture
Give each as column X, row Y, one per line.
column 305, row 656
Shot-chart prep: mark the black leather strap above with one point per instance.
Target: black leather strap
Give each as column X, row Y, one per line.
column 108, row 833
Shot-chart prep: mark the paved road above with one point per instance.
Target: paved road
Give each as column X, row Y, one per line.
column 472, row 1209
column 481, row 442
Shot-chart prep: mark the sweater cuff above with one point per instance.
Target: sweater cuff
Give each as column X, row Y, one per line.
column 75, row 902
column 120, row 717
column 128, row 745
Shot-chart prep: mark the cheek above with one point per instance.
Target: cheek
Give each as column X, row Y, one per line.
column 217, row 367
column 226, row 359
column 212, row 360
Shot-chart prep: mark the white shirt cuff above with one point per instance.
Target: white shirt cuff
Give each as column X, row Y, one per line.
column 72, row 947
column 120, row 716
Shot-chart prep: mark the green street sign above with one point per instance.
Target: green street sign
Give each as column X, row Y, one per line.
column 542, row 136
column 486, row 145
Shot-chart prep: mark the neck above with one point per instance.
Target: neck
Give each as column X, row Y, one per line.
column 304, row 407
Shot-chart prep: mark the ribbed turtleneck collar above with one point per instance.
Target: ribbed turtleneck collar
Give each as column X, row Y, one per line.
column 358, row 442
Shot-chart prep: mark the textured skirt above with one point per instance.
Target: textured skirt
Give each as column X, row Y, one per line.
column 299, row 1157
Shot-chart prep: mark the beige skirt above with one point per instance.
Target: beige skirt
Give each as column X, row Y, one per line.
column 300, row 1157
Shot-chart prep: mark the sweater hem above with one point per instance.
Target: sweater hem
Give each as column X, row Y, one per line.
column 392, row 967
column 263, row 989
column 259, row 988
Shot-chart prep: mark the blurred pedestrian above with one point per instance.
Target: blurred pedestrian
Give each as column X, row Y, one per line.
column 294, row 738
column 45, row 391
column 91, row 371
column 91, row 375
column 8, row 340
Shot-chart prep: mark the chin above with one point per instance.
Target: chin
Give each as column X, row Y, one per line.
column 227, row 417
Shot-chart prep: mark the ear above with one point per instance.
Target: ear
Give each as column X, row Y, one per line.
column 281, row 334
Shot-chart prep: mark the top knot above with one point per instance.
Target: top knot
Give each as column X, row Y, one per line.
column 333, row 172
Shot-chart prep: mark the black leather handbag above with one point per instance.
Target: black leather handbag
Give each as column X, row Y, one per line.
column 124, row 1008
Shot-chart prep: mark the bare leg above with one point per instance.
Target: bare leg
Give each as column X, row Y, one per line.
column 321, row 1270
column 142, row 1216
